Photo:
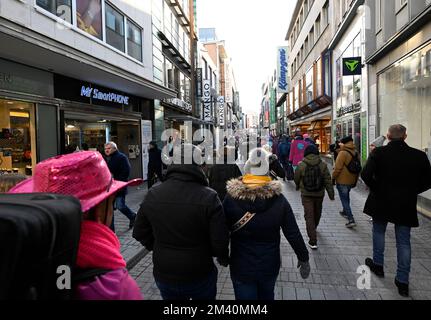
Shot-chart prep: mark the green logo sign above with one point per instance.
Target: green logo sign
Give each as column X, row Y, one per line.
column 352, row 66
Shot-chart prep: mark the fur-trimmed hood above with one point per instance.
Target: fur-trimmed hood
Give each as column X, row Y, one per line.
column 240, row 191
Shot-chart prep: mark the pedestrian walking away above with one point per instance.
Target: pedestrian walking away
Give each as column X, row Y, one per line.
column 183, row 223
column 396, row 174
column 344, row 178
column 119, row 166
column 155, row 164
column 256, row 210
column 297, row 149
column 312, row 177
column 220, row 174
column 100, row 270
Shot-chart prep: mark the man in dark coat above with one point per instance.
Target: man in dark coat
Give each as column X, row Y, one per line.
column 154, row 164
column 396, row 174
column 119, row 166
column 220, row 174
column 182, row 221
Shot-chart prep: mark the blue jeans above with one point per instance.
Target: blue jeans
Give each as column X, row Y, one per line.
column 402, row 235
column 120, row 204
column 259, row 289
column 205, row 289
column 344, row 192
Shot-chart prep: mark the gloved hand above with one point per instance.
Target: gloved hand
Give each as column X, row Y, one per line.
column 304, row 269
column 224, row 262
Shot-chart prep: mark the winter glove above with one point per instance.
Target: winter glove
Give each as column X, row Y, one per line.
column 304, row 269
column 224, row 262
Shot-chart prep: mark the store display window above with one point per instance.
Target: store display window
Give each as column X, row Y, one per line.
column 17, row 137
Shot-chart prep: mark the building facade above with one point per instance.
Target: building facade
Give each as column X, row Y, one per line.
column 74, row 74
column 350, row 91
column 309, row 101
column 174, row 51
column 398, row 54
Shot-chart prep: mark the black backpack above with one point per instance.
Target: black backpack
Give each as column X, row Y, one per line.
column 313, row 178
column 354, row 166
column 39, row 232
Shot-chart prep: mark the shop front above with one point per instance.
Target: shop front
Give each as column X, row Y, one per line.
column 350, row 111
column 309, row 103
column 91, row 115
column 404, row 95
column 27, row 134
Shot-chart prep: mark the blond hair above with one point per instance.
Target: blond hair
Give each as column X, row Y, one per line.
column 8, row 181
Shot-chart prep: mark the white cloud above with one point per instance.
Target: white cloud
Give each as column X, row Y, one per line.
column 252, row 30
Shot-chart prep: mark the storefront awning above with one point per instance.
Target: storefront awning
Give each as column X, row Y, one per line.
column 324, row 114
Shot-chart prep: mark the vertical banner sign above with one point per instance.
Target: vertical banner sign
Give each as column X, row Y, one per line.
column 206, row 100
column 282, row 70
column 364, row 141
column 199, row 82
column 272, row 108
column 220, row 101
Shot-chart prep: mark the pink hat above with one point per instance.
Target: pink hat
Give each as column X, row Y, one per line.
column 84, row 175
column 306, row 136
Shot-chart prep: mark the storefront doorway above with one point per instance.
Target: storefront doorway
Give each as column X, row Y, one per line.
column 17, row 137
column 91, row 132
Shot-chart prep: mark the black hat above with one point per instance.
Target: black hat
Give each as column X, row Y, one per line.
column 311, row 149
column 346, row 140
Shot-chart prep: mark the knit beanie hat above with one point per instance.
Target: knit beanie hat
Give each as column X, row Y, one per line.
column 346, row 140
column 311, row 149
column 258, row 162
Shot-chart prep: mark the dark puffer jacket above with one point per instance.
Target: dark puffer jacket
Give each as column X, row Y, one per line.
column 220, row 174
column 182, row 221
column 396, row 174
column 255, row 249
column 314, row 160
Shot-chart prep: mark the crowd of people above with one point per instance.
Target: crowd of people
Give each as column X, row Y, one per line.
column 201, row 212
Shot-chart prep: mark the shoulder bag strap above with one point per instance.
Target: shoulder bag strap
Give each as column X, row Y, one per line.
column 243, row 221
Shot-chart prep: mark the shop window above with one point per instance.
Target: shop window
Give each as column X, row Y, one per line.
column 89, row 17
column 134, row 41
column 114, row 28
column 309, row 86
column 404, row 93
column 60, row 8
column 319, row 84
column 17, row 137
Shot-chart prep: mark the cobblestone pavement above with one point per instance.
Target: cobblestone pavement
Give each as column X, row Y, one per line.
column 333, row 266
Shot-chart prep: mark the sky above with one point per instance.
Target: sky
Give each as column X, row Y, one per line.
column 252, row 30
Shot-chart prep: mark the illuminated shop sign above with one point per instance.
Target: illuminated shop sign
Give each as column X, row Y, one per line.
column 282, row 73
column 352, row 66
column 97, row 94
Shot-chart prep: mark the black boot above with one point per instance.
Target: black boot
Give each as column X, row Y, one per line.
column 376, row 269
column 403, row 288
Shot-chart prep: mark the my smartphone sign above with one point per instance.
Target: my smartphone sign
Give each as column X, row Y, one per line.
column 352, row 66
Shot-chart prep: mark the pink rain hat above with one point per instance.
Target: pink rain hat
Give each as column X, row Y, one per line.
column 84, row 175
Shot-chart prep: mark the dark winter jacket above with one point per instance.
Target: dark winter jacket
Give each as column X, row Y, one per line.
column 255, row 249
column 155, row 160
column 396, row 174
column 276, row 170
column 119, row 165
column 220, row 174
column 314, row 160
column 183, row 223
column 284, row 150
